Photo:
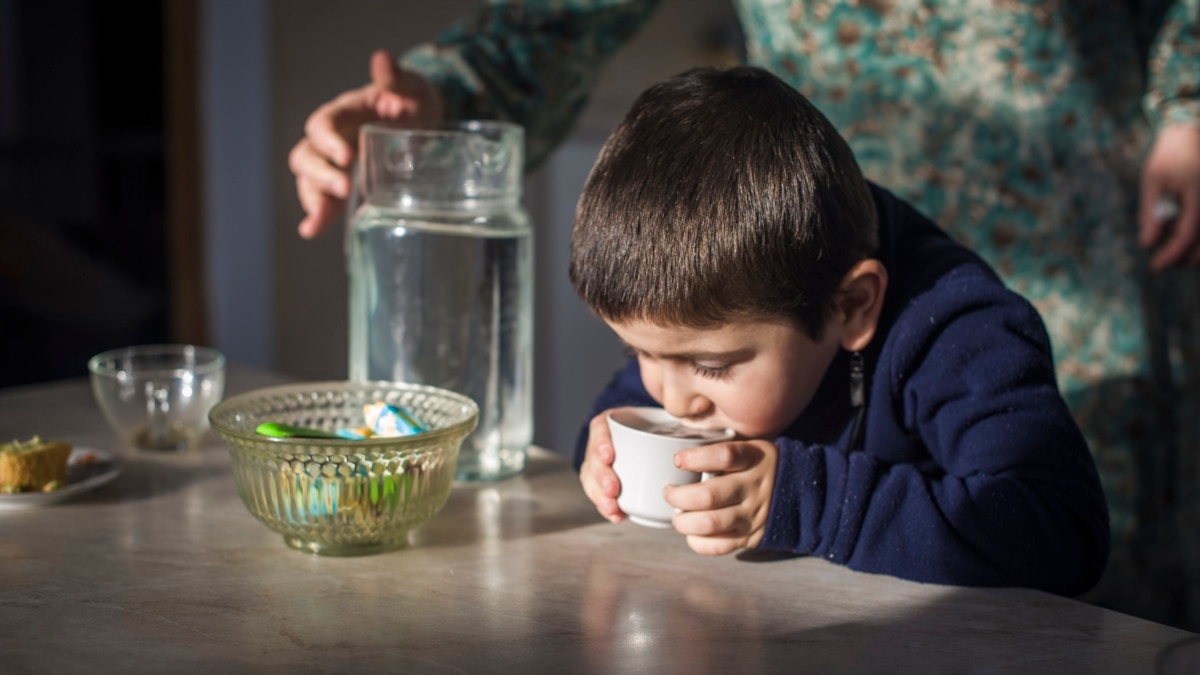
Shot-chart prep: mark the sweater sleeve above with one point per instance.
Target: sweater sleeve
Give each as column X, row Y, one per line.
column 533, row 63
column 1173, row 91
column 1008, row 494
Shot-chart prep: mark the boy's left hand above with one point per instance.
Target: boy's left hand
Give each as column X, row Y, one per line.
column 728, row 511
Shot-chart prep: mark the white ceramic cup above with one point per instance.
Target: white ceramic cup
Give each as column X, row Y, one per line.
column 644, row 460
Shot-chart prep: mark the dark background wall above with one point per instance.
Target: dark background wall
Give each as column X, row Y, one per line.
column 83, row 242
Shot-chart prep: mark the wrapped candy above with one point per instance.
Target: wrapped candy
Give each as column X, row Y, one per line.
column 382, row 420
column 356, row 433
column 385, row 419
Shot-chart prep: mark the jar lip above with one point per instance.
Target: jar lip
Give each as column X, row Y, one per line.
column 449, row 128
column 412, row 203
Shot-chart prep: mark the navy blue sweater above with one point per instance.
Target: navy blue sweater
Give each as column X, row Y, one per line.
column 970, row 469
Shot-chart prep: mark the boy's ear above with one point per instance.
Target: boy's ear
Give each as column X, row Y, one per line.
column 859, row 303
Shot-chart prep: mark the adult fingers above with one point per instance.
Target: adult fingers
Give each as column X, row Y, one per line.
column 1171, row 171
column 1183, row 237
column 320, row 188
column 384, row 71
column 402, row 95
column 316, row 170
column 320, row 209
column 1150, row 222
column 332, row 128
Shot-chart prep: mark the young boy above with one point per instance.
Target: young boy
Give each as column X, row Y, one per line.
column 895, row 405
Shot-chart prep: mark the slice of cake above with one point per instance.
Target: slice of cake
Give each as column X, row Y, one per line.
column 35, row 465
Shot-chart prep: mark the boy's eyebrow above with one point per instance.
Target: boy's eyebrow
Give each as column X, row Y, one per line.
column 693, row 356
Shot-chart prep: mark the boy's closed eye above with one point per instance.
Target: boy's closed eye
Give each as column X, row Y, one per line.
column 710, row 366
column 713, row 372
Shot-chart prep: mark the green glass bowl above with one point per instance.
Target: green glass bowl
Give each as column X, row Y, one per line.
column 343, row 497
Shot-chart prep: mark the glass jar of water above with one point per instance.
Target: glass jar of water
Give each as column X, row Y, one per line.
column 440, row 259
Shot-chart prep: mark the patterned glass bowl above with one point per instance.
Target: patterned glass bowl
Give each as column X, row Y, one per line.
column 343, row 497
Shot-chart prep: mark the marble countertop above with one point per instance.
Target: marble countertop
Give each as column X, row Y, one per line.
column 164, row 570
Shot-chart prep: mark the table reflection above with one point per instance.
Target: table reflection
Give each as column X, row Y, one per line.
column 634, row 623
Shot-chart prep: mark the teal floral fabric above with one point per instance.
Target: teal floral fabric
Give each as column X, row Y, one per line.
column 1018, row 125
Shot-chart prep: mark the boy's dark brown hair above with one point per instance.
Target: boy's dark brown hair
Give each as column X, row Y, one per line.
column 723, row 194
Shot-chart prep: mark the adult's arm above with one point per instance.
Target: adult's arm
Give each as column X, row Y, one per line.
column 1173, row 72
column 534, row 62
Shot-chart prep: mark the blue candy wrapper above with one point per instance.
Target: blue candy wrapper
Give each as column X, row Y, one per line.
column 384, row 419
column 355, row 434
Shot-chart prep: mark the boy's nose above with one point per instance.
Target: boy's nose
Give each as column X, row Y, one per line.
column 684, row 403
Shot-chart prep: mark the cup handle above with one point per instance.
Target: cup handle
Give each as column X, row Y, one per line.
column 158, row 409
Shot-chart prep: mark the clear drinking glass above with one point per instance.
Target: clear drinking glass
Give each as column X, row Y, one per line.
column 440, row 262
column 157, row 397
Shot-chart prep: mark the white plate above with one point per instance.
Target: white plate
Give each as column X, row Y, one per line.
column 81, row 477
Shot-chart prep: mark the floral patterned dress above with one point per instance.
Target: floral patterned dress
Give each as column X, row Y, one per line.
column 1018, row 125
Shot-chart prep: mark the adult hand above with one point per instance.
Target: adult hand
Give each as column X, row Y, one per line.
column 600, row 482
column 1172, row 172
column 728, row 511
column 321, row 160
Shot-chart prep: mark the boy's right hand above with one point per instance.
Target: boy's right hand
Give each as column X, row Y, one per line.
column 596, row 474
column 322, row 159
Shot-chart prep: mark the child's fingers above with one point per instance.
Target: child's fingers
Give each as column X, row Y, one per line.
column 724, row 522
column 720, row 545
column 717, row 492
column 603, row 497
column 717, row 532
column 600, row 482
column 609, row 509
column 600, row 440
column 597, row 492
column 610, row 485
column 719, row 457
